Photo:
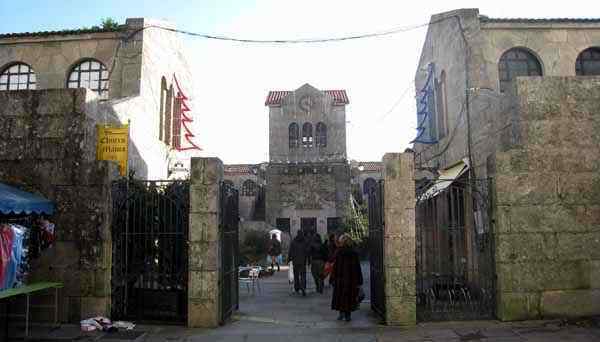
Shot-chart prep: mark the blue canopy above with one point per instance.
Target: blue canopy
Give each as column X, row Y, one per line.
column 15, row 201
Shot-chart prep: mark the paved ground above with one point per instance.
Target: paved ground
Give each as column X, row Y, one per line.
column 275, row 315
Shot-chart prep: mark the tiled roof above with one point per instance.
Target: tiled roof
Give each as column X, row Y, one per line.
column 239, row 169
column 371, row 166
column 275, row 97
column 486, row 19
column 58, row 33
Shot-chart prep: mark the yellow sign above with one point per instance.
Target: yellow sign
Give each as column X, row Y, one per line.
column 113, row 144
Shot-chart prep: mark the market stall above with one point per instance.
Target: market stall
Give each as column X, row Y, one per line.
column 25, row 231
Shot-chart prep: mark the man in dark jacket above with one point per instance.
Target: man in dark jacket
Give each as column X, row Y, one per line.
column 318, row 255
column 298, row 255
column 347, row 279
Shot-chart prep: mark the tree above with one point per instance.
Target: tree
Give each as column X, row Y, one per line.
column 105, row 24
column 356, row 224
column 109, row 24
column 253, row 247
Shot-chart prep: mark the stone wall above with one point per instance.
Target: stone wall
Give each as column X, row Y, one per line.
column 445, row 47
column 47, row 146
column 548, row 202
column 204, row 248
column 319, row 190
column 399, row 239
column 247, row 204
column 470, row 60
column 136, row 60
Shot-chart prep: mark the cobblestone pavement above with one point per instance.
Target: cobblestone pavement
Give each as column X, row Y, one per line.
column 274, row 314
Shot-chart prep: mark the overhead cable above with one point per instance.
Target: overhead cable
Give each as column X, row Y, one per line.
column 292, row 41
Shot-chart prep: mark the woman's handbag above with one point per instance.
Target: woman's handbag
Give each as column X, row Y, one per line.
column 328, row 268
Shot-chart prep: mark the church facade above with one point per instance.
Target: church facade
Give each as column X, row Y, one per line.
column 308, row 181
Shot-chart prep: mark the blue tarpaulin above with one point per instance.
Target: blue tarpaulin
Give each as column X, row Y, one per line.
column 15, row 201
column 426, row 133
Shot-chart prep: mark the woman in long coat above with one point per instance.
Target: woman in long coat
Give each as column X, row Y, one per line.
column 347, row 277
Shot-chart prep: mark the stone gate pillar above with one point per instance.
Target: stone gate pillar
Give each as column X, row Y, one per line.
column 204, row 254
column 399, row 239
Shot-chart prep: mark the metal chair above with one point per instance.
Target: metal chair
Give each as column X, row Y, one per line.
column 249, row 276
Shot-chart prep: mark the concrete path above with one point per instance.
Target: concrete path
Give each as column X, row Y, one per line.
column 276, row 315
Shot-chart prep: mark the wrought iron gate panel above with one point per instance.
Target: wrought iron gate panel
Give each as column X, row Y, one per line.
column 228, row 230
column 150, row 254
column 455, row 254
column 376, row 235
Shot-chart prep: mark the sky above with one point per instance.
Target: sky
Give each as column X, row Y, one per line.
column 231, row 80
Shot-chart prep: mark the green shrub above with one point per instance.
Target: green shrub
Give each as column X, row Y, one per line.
column 253, row 248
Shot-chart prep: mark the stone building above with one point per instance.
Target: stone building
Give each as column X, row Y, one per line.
column 48, row 137
column 249, row 180
column 508, row 115
column 308, row 176
column 132, row 70
column 307, row 179
column 365, row 176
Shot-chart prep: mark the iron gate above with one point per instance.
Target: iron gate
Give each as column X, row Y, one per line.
column 228, row 230
column 455, row 253
column 376, row 230
column 149, row 232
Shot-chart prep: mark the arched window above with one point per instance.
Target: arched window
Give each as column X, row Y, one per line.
column 517, row 62
column 168, row 115
column 176, row 136
column 228, row 183
column 442, row 105
column 163, row 106
column 17, row 76
column 90, row 74
column 293, row 135
column 588, row 62
column 369, row 184
column 321, row 135
column 249, row 188
column 307, row 136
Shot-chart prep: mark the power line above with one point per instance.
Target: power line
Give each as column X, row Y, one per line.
column 292, row 41
column 402, row 96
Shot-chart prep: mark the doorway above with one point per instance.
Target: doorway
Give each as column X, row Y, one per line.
column 308, row 225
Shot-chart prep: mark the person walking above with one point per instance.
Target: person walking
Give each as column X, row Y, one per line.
column 273, row 250
column 298, row 255
column 347, row 278
column 318, row 255
column 331, row 251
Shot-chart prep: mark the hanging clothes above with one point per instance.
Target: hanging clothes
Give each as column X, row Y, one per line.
column 10, row 276
column 47, row 233
column 24, row 267
column 6, row 246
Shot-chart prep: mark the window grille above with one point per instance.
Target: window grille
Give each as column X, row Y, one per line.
column 517, row 62
column 249, row 188
column 307, row 136
column 321, row 135
column 90, row 74
column 588, row 62
column 293, row 135
column 18, row 76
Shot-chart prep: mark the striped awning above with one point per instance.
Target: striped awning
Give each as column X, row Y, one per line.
column 19, row 202
column 275, row 97
column 446, row 178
